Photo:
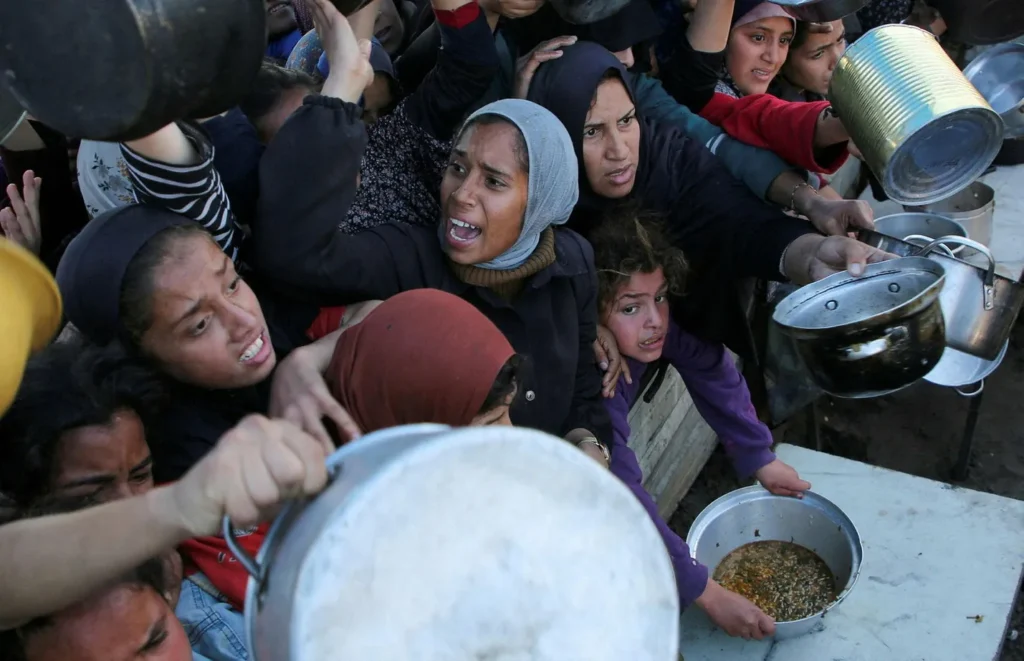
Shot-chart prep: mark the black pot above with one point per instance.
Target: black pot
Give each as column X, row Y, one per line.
column 120, row 69
column 982, row 21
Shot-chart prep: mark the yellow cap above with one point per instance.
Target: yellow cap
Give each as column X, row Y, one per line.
column 30, row 310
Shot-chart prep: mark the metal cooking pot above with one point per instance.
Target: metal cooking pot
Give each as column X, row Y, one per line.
column 979, row 306
column 120, row 69
column 432, row 543
column 924, row 131
column 973, row 208
column 958, row 369
column 998, row 73
column 752, row 514
column 872, row 335
column 919, row 228
column 982, row 21
column 821, row 11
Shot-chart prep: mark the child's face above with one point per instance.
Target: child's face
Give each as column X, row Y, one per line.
column 638, row 316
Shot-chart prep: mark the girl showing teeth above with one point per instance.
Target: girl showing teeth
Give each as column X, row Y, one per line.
column 638, row 271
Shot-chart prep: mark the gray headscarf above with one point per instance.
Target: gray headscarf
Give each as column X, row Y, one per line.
column 553, row 187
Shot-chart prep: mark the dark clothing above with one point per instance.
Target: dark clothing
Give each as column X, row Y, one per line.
column 61, row 209
column 553, row 321
column 236, row 157
column 408, row 149
column 280, row 48
column 195, row 421
column 690, row 76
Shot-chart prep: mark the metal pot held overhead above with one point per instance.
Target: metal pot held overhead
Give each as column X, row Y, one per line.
column 982, row 21
column 979, row 306
column 871, row 335
column 923, row 129
column 120, row 69
column 821, row 11
column 432, row 544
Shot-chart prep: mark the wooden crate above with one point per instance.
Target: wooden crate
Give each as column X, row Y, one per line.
column 671, row 441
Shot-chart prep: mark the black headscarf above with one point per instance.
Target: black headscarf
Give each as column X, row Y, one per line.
column 91, row 272
column 566, row 87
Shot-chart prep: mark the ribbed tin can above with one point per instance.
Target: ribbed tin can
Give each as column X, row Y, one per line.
column 924, row 130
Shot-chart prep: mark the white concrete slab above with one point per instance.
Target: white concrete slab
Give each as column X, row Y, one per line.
column 935, row 556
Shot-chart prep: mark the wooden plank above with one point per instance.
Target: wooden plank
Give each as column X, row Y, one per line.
column 672, row 442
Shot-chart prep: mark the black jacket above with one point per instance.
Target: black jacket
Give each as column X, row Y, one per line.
column 553, row 321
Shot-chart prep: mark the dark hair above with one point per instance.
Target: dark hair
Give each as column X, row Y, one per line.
column 136, row 304
column 628, row 241
column 505, row 384
column 66, row 387
column 522, row 152
column 271, row 83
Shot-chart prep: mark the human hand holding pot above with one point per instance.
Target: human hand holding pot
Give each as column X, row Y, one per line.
column 255, row 467
column 734, row 614
column 812, row 257
column 840, row 217
column 349, row 57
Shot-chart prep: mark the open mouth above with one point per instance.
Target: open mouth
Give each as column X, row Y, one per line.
column 278, row 7
column 257, row 352
column 460, row 232
column 761, row 73
column 622, row 175
column 653, row 342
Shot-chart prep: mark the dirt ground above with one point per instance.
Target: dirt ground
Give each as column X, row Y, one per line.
column 917, row 431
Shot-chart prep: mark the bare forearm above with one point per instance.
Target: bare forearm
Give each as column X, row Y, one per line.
column 791, row 191
column 362, row 21
column 709, row 25
column 52, row 562
column 168, row 145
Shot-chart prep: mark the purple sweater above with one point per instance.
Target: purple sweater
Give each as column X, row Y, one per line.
column 722, row 398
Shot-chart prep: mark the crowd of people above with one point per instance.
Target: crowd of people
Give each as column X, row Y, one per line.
column 467, row 212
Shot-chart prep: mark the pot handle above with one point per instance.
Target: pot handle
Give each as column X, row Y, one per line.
column 975, row 393
column 926, row 240
column 243, row 557
column 990, row 274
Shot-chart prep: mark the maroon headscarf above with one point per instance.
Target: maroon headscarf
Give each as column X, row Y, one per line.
column 421, row 356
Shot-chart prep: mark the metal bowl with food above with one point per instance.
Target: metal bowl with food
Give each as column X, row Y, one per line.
column 996, row 73
column 870, row 335
column 821, row 11
column 752, row 515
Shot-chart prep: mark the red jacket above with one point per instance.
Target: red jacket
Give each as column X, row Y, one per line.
column 784, row 127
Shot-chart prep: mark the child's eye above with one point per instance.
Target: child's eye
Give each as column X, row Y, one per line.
column 630, row 309
column 660, row 298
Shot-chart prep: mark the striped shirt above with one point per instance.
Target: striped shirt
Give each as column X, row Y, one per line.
column 194, row 191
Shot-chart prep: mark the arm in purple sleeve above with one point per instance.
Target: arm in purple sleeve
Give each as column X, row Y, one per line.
column 721, row 396
column 691, row 576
